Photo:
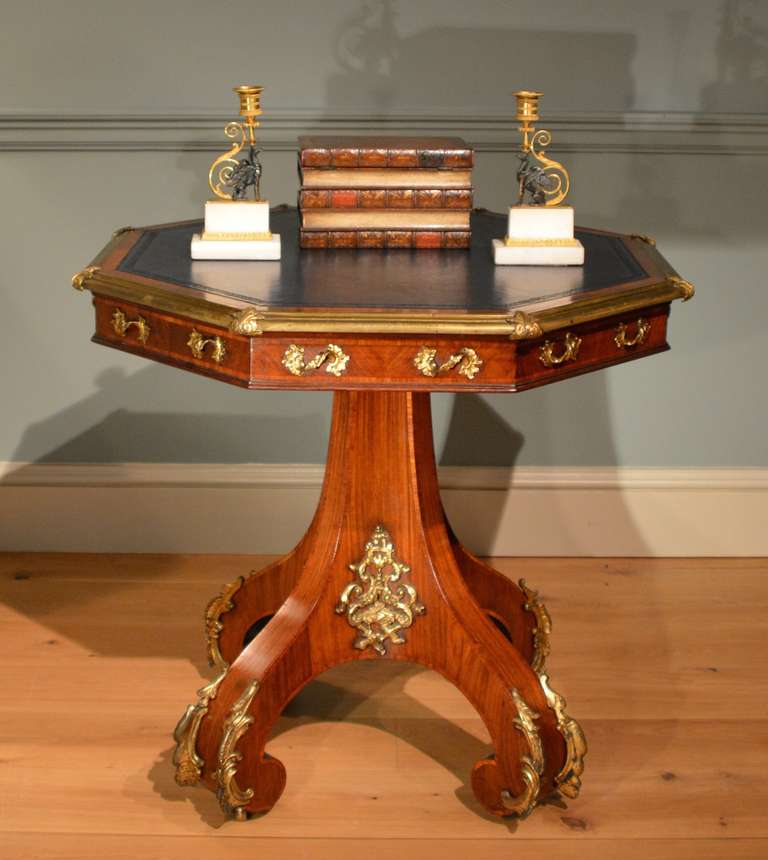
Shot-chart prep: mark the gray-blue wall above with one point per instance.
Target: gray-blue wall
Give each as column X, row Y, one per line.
column 110, row 113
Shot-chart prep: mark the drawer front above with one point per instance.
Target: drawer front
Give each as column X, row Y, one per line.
column 130, row 327
column 579, row 349
column 384, row 361
column 174, row 340
column 339, row 361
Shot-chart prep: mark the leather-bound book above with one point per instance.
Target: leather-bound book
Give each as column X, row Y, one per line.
column 420, row 239
column 445, row 153
column 385, row 177
column 385, row 219
column 385, row 198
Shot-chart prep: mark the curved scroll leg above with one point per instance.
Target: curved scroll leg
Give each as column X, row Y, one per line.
column 500, row 599
column 514, row 607
column 377, row 578
column 245, row 605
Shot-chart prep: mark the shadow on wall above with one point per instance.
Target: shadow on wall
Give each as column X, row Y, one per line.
column 380, row 69
column 742, row 59
column 478, row 436
column 118, row 430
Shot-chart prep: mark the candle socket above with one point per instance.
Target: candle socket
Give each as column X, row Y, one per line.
column 527, row 113
column 250, row 102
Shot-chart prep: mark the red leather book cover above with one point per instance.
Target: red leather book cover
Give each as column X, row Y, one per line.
column 446, row 153
column 427, row 239
column 381, row 198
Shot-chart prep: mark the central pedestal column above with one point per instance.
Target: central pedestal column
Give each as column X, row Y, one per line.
column 379, row 575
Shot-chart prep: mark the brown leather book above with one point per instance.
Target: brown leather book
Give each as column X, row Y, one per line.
column 422, row 239
column 385, row 219
column 398, row 152
column 385, row 177
column 385, row 198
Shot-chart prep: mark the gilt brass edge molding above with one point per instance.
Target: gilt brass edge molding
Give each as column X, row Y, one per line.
column 81, row 280
column 256, row 320
column 231, row 797
column 568, row 781
column 159, row 299
column 376, row 607
column 189, row 765
column 120, row 230
column 217, row 607
column 543, row 628
column 686, row 288
column 247, row 322
column 532, row 765
column 644, row 237
column 600, row 307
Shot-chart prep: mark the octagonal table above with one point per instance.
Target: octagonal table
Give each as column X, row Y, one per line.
column 379, row 573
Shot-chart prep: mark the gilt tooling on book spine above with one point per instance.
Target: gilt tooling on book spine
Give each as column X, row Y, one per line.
column 378, row 192
column 407, row 152
column 385, row 198
column 435, row 239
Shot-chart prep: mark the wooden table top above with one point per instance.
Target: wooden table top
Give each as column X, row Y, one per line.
column 375, row 291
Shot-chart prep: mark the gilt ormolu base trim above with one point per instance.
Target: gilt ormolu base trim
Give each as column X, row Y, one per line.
column 188, row 763
column 378, row 603
column 217, row 607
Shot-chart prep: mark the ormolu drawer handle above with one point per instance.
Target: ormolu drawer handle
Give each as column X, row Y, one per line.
column 570, row 350
column 197, row 344
column 121, row 325
column 467, row 360
column 293, row 360
column 643, row 330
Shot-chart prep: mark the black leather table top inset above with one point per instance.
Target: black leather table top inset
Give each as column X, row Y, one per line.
column 381, row 279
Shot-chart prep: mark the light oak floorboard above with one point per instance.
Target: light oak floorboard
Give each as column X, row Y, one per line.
column 663, row 662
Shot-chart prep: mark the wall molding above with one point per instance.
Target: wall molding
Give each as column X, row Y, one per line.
column 264, row 508
column 632, row 132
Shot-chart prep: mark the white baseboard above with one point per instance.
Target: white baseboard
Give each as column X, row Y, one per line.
column 264, row 508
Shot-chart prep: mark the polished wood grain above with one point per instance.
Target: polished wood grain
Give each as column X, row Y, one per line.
column 381, row 472
column 100, row 652
column 379, row 362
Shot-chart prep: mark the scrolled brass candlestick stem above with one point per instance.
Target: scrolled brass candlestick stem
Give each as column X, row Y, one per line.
column 542, row 181
column 230, row 177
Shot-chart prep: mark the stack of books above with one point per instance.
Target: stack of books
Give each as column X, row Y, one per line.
column 374, row 192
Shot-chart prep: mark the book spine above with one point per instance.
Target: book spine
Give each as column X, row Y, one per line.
column 445, row 159
column 425, row 239
column 385, row 219
column 344, row 178
column 382, row 198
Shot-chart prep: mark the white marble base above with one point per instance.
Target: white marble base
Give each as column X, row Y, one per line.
column 537, row 255
column 236, row 230
column 237, row 216
column 235, row 249
column 539, row 236
column 540, row 222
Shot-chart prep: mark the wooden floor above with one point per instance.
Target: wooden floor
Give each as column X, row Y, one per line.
column 663, row 662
